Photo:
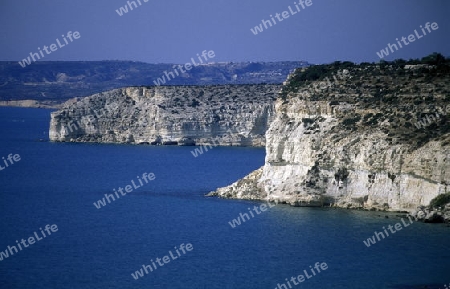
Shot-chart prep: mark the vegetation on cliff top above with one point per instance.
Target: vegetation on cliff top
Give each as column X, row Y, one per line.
column 304, row 76
column 409, row 101
column 440, row 201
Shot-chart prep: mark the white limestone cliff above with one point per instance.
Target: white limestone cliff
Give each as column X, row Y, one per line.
column 236, row 115
column 331, row 148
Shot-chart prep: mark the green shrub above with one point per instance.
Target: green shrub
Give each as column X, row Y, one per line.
column 440, row 200
column 351, row 121
column 307, row 121
column 195, row 103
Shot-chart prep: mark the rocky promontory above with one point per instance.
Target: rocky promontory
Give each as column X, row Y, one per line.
column 370, row 136
column 229, row 115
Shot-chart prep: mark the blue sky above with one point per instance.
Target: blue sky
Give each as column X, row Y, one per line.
column 173, row 31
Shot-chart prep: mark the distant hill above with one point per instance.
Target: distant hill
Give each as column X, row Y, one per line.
column 53, row 82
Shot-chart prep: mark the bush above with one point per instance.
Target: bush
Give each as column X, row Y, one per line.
column 440, row 200
column 195, row 103
column 341, row 174
column 351, row 121
column 307, row 121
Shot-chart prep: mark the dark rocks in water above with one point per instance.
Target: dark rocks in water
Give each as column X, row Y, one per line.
column 186, row 142
column 432, row 215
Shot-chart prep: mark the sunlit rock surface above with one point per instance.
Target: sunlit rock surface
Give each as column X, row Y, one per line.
column 230, row 115
column 353, row 140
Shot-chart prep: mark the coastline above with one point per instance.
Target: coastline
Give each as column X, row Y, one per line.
column 421, row 214
column 353, row 151
column 30, row 103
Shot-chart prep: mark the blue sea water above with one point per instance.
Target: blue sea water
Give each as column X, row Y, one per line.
column 57, row 183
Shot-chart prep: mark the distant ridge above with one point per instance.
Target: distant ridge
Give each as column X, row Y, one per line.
column 58, row 81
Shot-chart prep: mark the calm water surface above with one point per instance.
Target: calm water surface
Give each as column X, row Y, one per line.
column 57, row 183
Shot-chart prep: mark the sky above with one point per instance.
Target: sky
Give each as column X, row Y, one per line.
column 174, row 31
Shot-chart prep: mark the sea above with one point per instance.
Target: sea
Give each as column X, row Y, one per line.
column 58, row 184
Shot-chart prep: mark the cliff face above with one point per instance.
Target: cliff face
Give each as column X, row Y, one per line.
column 236, row 115
column 365, row 136
column 31, row 103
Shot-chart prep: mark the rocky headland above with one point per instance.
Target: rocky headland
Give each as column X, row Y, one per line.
column 368, row 136
column 228, row 115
